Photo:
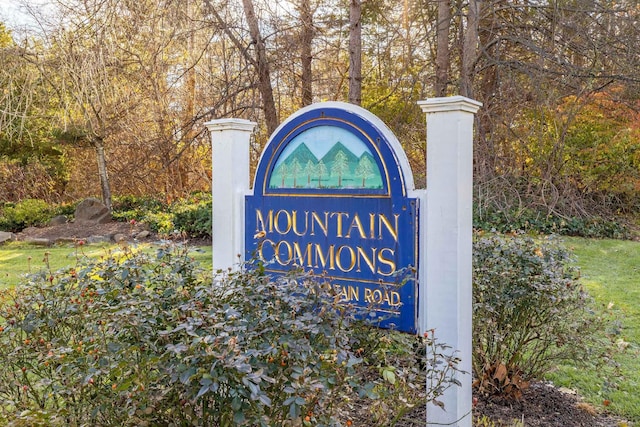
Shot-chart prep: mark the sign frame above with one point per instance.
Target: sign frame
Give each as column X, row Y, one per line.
column 364, row 240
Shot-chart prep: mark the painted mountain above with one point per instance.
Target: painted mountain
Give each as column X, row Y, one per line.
column 302, row 154
column 338, row 168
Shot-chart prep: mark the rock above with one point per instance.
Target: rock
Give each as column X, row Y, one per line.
column 58, row 220
column 30, row 230
column 40, row 241
column 73, row 240
column 119, row 237
column 6, row 236
column 98, row 239
column 143, row 234
column 93, row 211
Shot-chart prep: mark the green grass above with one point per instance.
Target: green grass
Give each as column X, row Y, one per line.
column 19, row 259
column 610, row 272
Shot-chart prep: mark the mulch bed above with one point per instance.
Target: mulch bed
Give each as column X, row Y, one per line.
column 544, row 405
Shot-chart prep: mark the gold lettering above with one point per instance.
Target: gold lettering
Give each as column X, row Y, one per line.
column 383, row 220
column 277, row 222
column 354, row 293
column 371, row 262
column 298, row 255
column 289, row 252
column 260, row 225
column 389, row 262
column 323, row 259
column 357, row 225
column 395, row 299
column 380, row 297
column 368, row 296
column 377, row 296
column 261, row 248
column 339, row 216
column 295, row 223
column 352, row 262
column 347, row 293
column 315, row 219
column 372, row 225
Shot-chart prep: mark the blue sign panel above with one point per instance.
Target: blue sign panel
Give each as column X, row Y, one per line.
column 330, row 196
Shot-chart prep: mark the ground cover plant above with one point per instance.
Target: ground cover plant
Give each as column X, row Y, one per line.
column 146, row 339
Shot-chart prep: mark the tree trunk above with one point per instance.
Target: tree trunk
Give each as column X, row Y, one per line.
column 264, row 75
column 355, row 52
column 306, row 55
column 470, row 48
column 442, row 48
column 98, row 143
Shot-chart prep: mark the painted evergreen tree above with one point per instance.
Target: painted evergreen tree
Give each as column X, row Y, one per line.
column 296, row 168
column 309, row 170
column 322, row 170
column 284, row 171
column 340, row 166
column 364, row 169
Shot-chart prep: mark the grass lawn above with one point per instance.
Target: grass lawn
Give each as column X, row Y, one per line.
column 610, row 271
column 19, row 259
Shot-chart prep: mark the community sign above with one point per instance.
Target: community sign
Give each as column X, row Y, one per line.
column 331, row 195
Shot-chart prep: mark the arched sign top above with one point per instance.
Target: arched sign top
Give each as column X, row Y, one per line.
column 333, row 194
column 333, row 149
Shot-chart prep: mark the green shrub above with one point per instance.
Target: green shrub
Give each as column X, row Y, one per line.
column 193, row 218
column 160, row 222
column 529, row 312
column 528, row 220
column 27, row 213
column 133, row 339
column 141, row 209
column 66, row 209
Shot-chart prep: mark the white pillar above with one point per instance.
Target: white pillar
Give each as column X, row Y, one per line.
column 446, row 299
column 230, row 175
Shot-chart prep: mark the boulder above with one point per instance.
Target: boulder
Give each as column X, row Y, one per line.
column 40, row 241
column 58, row 220
column 6, row 236
column 119, row 237
column 143, row 234
column 92, row 210
column 98, row 239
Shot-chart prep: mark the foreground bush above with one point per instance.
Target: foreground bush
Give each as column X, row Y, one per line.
column 138, row 340
column 529, row 312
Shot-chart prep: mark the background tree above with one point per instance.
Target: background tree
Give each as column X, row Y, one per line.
column 557, row 80
column 355, row 52
column 32, row 164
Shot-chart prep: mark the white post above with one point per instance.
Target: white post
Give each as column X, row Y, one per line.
column 446, row 299
column 230, row 175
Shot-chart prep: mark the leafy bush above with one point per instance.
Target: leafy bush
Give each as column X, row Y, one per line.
column 133, row 339
column 126, row 208
column 27, row 213
column 528, row 220
column 529, row 311
column 190, row 216
column 193, row 216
